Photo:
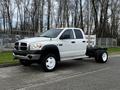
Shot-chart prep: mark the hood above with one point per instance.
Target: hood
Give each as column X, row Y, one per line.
column 35, row 39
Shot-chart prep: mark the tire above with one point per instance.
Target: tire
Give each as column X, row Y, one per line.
column 101, row 56
column 25, row 62
column 49, row 63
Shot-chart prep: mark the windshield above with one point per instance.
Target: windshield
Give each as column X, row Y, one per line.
column 53, row 33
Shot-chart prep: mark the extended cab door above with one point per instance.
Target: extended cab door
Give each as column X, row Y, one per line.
column 67, row 44
column 81, row 43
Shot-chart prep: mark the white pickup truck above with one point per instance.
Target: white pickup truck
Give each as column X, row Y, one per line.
column 54, row 46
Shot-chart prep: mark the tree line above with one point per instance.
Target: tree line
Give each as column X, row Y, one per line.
column 100, row 17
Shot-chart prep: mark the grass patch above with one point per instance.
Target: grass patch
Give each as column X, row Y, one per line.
column 7, row 58
column 114, row 50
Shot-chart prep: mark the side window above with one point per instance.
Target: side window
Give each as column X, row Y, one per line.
column 78, row 34
column 68, row 33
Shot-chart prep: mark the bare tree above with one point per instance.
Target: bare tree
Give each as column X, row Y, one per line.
column 37, row 15
column 48, row 14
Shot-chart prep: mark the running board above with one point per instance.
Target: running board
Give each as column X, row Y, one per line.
column 71, row 58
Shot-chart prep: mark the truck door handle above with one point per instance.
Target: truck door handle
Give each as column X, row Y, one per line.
column 83, row 41
column 73, row 42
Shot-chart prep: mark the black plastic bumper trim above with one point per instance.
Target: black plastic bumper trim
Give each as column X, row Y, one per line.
column 24, row 53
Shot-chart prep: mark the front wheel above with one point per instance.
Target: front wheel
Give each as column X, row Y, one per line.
column 101, row 56
column 49, row 62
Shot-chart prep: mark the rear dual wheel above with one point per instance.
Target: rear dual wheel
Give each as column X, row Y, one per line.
column 101, row 56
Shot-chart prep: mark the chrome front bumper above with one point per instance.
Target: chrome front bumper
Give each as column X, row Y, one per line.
column 28, row 57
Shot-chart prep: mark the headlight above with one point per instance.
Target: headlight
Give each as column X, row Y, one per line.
column 35, row 46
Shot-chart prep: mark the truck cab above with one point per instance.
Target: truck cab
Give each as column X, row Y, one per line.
column 72, row 43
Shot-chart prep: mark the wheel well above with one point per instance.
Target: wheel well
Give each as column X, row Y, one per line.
column 51, row 49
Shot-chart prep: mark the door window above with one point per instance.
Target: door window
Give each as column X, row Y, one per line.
column 68, row 33
column 78, row 34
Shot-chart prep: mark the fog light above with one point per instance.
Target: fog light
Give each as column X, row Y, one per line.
column 30, row 57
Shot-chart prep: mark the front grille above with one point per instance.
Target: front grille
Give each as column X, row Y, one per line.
column 23, row 46
column 20, row 46
column 16, row 45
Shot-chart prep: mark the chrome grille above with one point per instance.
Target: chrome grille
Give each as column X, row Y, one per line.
column 17, row 46
column 21, row 46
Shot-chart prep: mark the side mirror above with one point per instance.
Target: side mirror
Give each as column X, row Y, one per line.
column 65, row 37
